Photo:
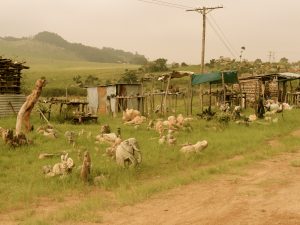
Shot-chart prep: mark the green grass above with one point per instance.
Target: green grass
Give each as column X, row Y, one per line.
column 22, row 183
column 59, row 73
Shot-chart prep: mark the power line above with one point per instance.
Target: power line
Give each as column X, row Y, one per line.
column 162, row 4
column 221, row 39
column 223, row 34
column 172, row 4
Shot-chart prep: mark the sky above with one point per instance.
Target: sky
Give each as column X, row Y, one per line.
column 158, row 31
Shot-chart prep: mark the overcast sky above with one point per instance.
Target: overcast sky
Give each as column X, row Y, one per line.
column 158, row 31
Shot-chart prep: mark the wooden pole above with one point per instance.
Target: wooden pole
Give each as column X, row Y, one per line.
column 224, row 89
column 175, row 103
column 190, row 91
column 166, row 94
column 209, row 96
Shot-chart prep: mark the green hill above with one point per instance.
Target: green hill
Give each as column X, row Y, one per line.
column 28, row 49
column 47, row 45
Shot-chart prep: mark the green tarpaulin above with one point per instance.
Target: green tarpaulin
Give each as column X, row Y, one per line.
column 230, row 77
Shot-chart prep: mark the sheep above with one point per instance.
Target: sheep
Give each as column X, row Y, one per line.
column 199, row 146
column 130, row 114
column 162, row 140
column 252, row 118
column 128, row 152
column 47, row 131
column 110, row 138
column 111, row 151
column 63, row 168
column 170, row 138
column 136, row 120
column 159, row 127
column 180, row 120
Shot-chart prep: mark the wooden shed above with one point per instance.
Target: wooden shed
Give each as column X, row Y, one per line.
column 270, row 86
column 107, row 99
column 11, row 98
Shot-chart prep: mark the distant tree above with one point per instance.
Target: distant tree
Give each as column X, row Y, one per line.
column 183, row 64
column 91, row 81
column 108, row 82
column 175, row 65
column 129, row 76
column 284, row 64
column 159, row 65
column 283, row 60
column 257, row 61
column 78, row 81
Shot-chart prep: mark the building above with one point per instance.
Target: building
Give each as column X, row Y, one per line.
column 106, row 99
column 11, row 98
column 276, row 86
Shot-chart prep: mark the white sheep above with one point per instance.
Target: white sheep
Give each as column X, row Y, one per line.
column 199, row 146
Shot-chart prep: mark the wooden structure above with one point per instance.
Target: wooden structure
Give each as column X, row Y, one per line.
column 11, row 98
column 74, row 110
column 168, row 94
column 223, row 96
column 115, row 98
column 270, row 86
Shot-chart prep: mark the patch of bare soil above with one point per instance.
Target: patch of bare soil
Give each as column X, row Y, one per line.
column 268, row 193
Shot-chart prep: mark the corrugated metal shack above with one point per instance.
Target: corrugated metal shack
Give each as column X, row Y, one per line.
column 115, row 98
column 11, row 98
column 270, row 86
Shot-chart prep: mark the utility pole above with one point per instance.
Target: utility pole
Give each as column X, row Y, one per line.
column 270, row 56
column 204, row 11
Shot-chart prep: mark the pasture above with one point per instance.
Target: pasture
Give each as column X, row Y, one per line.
column 23, row 186
column 27, row 197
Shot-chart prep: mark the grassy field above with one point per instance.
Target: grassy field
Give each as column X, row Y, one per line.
column 59, row 74
column 22, row 184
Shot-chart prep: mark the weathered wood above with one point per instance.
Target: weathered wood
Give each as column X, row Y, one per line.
column 25, row 111
column 166, row 94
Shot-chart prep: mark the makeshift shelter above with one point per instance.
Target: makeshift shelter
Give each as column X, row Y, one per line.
column 107, row 99
column 11, row 98
column 129, row 96
column 271, row 86
column 167, row 78
column 224, row 96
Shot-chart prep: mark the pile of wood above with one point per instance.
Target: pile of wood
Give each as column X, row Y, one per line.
column 10, row 76
column 252, row 88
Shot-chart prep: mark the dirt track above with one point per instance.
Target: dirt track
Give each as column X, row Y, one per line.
column 268, row 193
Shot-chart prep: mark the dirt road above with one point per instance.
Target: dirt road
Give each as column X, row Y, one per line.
column 268, row 193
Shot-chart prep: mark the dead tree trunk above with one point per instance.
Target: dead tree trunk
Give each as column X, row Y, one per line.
column 25, row 110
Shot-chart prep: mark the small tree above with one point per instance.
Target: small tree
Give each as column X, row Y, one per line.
column 159, row 65
column 91, row 81
column 129, row 76
column 183, row 64
column 175, row 65
column 78, row 81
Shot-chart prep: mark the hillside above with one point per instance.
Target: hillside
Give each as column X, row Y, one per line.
column 31, row 50
column 47, row 45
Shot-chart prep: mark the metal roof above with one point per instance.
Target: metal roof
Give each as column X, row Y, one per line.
column 280, row 76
